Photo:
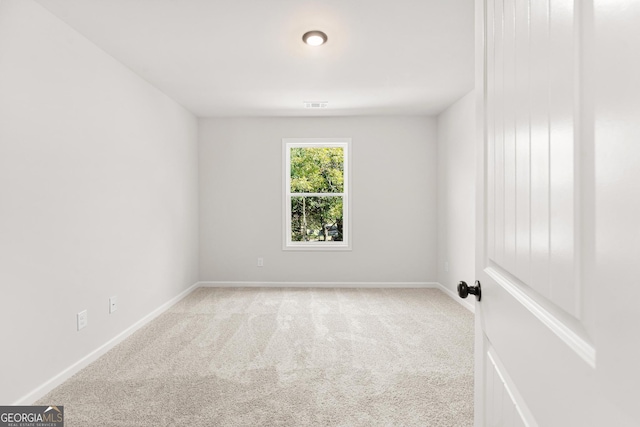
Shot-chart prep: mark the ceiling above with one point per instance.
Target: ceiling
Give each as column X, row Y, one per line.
column 247, row 58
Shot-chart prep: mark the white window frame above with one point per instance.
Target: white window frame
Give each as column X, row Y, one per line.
column 287, row 144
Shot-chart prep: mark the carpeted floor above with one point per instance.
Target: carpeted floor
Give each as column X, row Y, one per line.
column 285, row 357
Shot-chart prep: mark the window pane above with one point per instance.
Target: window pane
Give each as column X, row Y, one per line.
column 317, row 170
column 316, row 219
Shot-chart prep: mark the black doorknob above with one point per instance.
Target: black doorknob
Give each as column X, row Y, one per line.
column 464, row 290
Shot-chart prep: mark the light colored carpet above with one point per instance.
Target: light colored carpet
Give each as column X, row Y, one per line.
column 285, row 357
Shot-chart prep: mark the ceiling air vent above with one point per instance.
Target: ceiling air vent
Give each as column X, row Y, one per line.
column 315, row 104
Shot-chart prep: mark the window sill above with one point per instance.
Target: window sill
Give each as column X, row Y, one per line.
column 315, row 247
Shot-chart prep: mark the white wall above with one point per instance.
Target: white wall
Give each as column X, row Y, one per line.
column 393, row 201
column 456, row 193
column 98, row 197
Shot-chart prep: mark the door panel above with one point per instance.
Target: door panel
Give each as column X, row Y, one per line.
column 538, row 178
column 507, row 408
column 546, row 347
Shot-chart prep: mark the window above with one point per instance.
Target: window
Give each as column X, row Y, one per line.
column 316, row 194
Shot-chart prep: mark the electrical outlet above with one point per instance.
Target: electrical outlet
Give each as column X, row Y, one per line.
column 446, row 266
column 260, row 262
column 113, row 304
column 83, row 319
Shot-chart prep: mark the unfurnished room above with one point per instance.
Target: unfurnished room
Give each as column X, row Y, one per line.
column 319, row 213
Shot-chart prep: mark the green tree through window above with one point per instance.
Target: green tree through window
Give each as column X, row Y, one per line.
column 317, row 170
column 316, row 195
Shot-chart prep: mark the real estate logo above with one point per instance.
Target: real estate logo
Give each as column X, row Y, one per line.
column 31, row 416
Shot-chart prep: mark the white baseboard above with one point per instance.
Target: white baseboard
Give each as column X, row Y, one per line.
column 52, row 383
column 240, row 284
column 466, row 303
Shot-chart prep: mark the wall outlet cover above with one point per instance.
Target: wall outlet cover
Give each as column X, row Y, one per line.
column 83, row 319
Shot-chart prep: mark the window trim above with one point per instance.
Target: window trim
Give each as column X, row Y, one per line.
column 287, row 244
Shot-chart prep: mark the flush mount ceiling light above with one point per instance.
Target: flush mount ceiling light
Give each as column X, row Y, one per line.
column 314, row 38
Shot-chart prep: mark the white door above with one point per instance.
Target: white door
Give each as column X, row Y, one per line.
column 558, row 227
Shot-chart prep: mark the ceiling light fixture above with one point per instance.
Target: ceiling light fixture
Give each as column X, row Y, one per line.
column 314, row 38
